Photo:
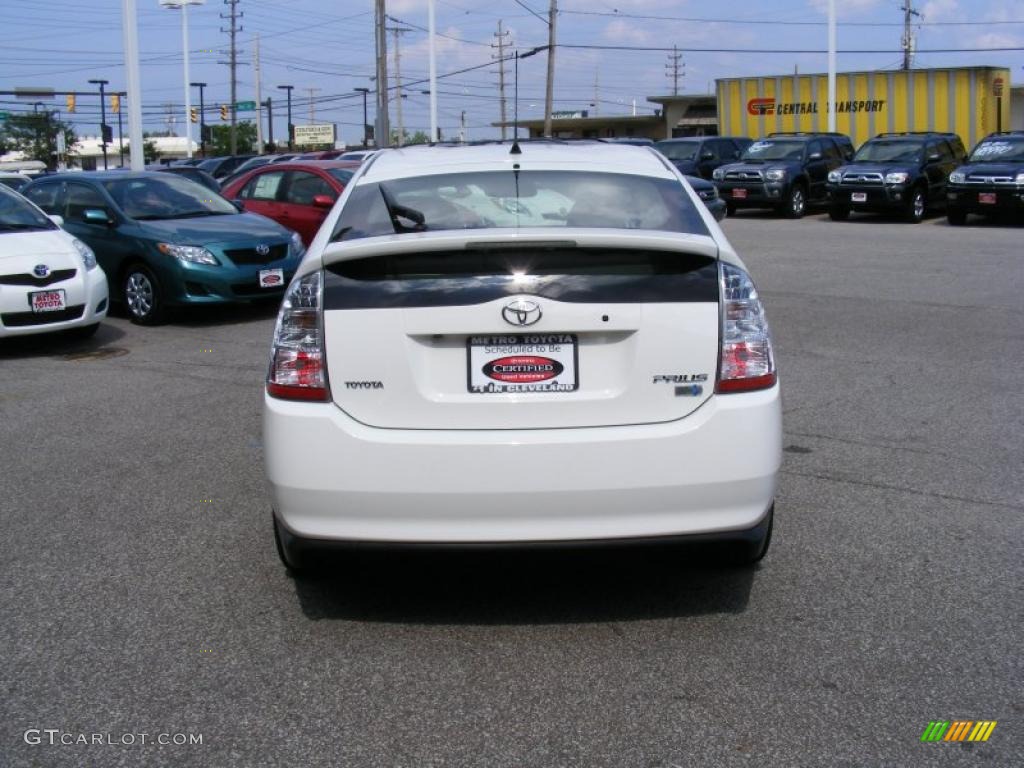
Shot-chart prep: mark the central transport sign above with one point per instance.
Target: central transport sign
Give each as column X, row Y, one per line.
column 314, row 134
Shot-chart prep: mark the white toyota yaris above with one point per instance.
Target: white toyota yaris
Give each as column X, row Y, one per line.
column 49, row 280
column 521, row 342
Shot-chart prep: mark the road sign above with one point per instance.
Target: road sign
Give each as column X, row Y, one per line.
column 997, row 86
column 306, row 135
column 245, row 106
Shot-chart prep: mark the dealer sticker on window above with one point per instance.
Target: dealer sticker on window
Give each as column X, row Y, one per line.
column 543, row 362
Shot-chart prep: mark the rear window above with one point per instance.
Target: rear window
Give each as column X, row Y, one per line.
column 492, row 199
column 484, row 273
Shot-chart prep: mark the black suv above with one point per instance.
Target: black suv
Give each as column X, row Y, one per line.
column 700, row 155
column 901, row 172
column 991, row 182
column 785, row 171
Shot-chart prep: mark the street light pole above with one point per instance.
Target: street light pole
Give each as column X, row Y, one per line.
column 103, row 119
column 365, row 92
column 289, row 88
column 202, row 118
column 183, row 5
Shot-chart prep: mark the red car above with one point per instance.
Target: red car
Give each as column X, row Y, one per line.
column 295, row 194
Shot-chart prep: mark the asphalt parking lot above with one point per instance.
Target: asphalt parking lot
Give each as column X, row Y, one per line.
column 141, row 592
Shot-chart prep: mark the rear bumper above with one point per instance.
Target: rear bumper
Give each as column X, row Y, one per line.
column 334, row 479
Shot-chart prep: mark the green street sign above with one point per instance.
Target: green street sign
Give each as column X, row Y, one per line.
column 4, row 115
column 245, row 106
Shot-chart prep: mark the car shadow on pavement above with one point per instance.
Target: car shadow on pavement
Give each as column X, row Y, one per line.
column 64, row 344
column 526, row 586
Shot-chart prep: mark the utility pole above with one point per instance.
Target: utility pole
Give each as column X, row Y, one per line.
column 382, row 131
column 502, row 43
column 270, row 123
column 672, row 69
column 233, row 15
column 597, row 94
column 202, row 117
column 291, row 133
column 259, row 101
column 398, row 32
column 549, row 95
column 908, row 36
column 312, row 106
column 462, row 128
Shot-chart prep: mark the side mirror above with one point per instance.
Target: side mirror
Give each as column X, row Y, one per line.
column 815, row 156
column 58, row 220
column 96, row 216
column 239, row 205
column 323, row 201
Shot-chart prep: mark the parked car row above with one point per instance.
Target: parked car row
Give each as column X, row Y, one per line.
column 907, row 173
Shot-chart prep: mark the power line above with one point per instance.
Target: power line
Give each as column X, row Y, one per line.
column 775, row 22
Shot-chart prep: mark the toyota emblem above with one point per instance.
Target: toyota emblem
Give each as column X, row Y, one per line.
column 521, row 312
column 262, row 249
column 41, row 270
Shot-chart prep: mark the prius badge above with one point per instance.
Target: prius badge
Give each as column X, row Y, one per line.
column 521, row 312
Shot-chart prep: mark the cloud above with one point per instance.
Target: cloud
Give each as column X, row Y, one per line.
column 845, row 8
column 622, row 31
column 942, row 10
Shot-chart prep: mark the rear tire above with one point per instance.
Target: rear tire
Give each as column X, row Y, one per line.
column 142, row 295
column 917, row 206
column 749, row 553
column 957, row 217
column 839, row 212
column 284, row 552
column 796, row 202
column 730, row 209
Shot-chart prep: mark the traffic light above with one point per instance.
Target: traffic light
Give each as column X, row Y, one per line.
column 194, row 115
column 115, row 103
column 108, row 134
column 223, row 111
column 69, row 101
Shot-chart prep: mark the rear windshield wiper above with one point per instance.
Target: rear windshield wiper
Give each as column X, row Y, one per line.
column 396, row 210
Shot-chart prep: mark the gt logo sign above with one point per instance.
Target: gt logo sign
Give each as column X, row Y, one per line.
column 761, row 107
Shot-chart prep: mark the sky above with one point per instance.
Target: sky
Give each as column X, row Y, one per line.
column 327, row 45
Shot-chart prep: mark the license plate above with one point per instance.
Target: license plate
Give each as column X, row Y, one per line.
column 47, row 301
column 543, row 362
column 858, row 197
column 271, row 278
column 987, row 198
column 739, row 194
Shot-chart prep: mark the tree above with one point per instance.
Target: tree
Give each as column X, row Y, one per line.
column 35, row 135
column 420, row 137
column 220, row 139
column 150, row 153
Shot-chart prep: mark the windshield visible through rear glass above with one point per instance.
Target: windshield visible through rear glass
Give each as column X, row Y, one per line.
column 166, row 196
column 17, row 215
column 493, row 199
column 774, row 150
column 999, row 151
column 889, row 152
column 678, row 150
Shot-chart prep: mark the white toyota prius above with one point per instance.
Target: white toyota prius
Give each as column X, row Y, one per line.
column 49, row 280
column 526, row 342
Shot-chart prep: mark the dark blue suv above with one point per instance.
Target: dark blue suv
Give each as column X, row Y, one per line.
column 700, row 155
column 992, row 180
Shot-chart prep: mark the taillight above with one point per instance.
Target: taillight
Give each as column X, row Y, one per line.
column 746, row 360
column 298, row 368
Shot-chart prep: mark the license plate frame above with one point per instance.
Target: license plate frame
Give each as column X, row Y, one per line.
column 987, row 198
column 271, row 278
column 36, row 303
column 858, row 197
column 522, row 363
column 739, row 194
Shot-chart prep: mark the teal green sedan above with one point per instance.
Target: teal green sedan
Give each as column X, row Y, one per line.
column 166, row 242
